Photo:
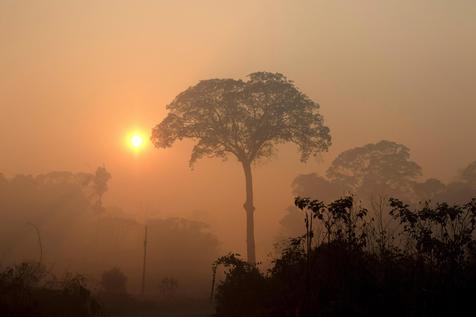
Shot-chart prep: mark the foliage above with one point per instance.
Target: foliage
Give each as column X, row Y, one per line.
column 308, row 185
column 373, row 168
column 428, row 271
column 430, row 189
column 69, row 226
column 244, row 118
column 27, row 289
column 167, row 287
column 114, row 281
column 93, row 186
column 240, row 293
column 101, row 179
column 60, row 206
column 373, row 173
column 443, row 234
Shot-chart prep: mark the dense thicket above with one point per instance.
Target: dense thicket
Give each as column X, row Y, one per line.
column 28, row 289
column 346, row 264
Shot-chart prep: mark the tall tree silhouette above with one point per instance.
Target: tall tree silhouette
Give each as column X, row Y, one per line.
column 246, row 119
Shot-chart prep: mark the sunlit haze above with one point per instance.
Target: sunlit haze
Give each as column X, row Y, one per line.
column 136, row 141
column 84, row 83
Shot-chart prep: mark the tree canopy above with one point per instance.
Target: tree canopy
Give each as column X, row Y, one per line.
column 309, row 185
column 379, row 167
column 244, row 118
column 371, row 172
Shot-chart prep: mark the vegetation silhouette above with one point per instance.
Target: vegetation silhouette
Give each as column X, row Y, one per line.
column 469, row 174
column 382, row 168
column 114, row 281
column 54, row 220
column 373, row 173
column 167, row 288
column 246, row 119
column 428, row 270
column 28, row 289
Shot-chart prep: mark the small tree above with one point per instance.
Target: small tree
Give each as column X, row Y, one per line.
column 114, row 281
column 342, row 221
column 442, row 234
column 168, row 287
column 246, row 119
column 101, row 178
column 242, row 289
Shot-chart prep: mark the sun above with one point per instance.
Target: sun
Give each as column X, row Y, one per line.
column 136, row 141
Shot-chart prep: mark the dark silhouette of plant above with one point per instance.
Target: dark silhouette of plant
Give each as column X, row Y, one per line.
column 114, row 281
column 168, row 287
column 240, row 293
column 27, row 289
column 340, row 219
column 246, row 119
column 101, row 179
column 431, row 274
column 443, row 234
column 231, row 259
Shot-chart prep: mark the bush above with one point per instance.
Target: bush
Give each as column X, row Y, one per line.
column 27, row 290
column 114, row 281
column 429, row 271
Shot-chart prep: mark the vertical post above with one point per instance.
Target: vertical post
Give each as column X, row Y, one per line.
column 143, row 264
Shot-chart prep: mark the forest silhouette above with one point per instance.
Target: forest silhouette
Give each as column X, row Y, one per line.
column 368, row 238
column 181, row 158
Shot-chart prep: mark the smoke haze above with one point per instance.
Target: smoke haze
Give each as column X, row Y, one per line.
column 77, row 76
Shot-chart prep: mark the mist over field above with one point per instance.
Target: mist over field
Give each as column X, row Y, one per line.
column 191, row 158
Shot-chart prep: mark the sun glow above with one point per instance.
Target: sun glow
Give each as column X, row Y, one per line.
column 136, row 141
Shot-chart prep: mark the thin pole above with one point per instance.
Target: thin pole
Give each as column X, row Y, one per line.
column 143, row 264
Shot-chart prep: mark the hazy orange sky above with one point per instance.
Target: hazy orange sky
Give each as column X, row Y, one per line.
column 77, row 76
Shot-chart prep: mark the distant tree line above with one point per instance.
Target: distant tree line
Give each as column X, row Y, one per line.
column 64, row 211
column 372, row 174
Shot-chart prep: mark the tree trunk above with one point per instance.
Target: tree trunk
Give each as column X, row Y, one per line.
column 249, row 208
